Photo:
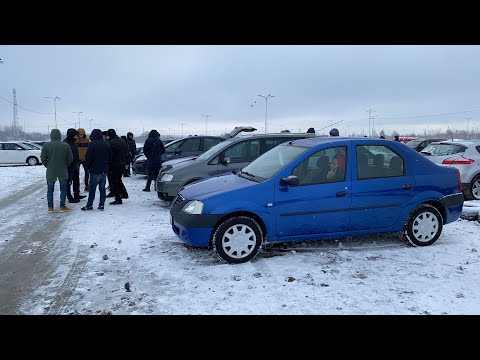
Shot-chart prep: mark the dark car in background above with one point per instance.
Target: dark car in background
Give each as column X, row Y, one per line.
column 190, row 146
column 420, row 144
column 230, row 155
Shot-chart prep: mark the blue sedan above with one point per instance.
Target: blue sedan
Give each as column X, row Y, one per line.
column 319, row 188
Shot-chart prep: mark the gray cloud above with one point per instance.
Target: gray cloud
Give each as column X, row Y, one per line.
column 143, row 87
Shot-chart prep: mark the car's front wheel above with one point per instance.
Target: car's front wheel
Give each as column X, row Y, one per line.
column 32, row 161
column 238, row 239
column 424, row 226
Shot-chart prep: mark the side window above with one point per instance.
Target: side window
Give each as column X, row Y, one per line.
column 12, row 147
column 191, row 145
column 209, row 142
column 236, row 153
column 386, row 162
column 172, row 148
column 2, row 147
column 324, row 166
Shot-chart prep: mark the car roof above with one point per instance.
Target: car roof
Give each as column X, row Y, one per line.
column 466, row 143
column 271, row 135
column 312, row 142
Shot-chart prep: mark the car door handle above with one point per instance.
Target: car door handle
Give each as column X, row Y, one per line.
column 341, row 193
column 407, row 187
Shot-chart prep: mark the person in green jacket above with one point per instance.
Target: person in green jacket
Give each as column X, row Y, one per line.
column 56, row 155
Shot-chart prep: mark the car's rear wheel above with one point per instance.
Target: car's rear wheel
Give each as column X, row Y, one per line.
column 423, row 226
column 237, row 240
column 32, row 161
column 474, row 189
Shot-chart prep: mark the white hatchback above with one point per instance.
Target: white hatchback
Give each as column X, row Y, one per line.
column 12, row 152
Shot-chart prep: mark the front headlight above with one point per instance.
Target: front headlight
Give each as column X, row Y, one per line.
column 166, row 177
column 193, row 207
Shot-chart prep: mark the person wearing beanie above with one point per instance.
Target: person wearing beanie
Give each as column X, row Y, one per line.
column 116, row 167
column 73, row 168
column 82, row 144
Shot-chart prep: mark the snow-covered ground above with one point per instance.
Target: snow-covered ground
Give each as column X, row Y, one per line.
column 127, row 260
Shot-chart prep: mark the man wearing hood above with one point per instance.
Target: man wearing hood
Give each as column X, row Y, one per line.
column 73, row 168
column 117, row 166
column 132, row 147
column 97, row 159
column 82, row 144
column 56, row 156
column 153, row 150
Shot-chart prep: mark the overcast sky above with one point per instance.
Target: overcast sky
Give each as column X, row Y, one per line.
column 136, row 88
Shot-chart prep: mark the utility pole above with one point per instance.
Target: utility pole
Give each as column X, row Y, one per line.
column 266, row 107
column 206, row 123
column 78, row 113
column 370, row 117
column 90, row 125
column 468, row 124
column 15, row 115
column 182, row 128
column 55, row 106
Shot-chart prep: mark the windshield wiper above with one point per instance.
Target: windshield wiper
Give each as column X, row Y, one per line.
column 247, row 173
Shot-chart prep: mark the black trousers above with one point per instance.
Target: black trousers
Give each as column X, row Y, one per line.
column 117, row 188
column 73, row 178
column 152, row 176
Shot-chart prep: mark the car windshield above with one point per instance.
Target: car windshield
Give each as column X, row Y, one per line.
column 444, row 149
column 272, row 162
column 214, row 149
column 413, row 144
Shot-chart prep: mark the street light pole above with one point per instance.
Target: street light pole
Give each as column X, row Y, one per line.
column 266, row 97
column 182, row 128
column 206, row 123
column 78, row 113
column 55, row 106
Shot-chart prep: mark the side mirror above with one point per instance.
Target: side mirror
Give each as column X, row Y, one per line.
column 225, row 161
column 291, row 180
column 178, row 152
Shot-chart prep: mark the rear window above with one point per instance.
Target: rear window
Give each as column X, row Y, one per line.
column 444, row 149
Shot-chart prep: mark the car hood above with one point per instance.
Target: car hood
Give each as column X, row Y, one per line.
column 177, row 161
column 214, row 186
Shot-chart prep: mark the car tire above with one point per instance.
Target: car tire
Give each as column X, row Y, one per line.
column 32, row 161
column 424, row 226
column 473, row 190
column 244, row 233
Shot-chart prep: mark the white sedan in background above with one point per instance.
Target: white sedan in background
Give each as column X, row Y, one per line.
column 12, row 152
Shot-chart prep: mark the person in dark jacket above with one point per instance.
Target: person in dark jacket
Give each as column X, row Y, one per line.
column 153, row 150
column 132, row 146
column 73, row 168
column 126, row 172
column 56, row 156
column 97, row 158
column 117, row 166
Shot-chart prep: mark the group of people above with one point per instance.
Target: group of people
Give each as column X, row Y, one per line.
column 104, row 156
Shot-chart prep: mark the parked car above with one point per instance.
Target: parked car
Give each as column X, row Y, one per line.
column 420, row 144
column 186, row 147
column 463, row 155
column 228, row 156
column 13, row 152
column 293, row 193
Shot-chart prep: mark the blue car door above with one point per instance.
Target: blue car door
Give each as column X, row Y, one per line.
column 382, row 183
column 321, row 201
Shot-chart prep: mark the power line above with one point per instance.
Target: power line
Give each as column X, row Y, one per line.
column 38, row 112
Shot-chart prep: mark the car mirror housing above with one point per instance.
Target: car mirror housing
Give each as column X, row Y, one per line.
column 225, row 161
column 291, row 180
